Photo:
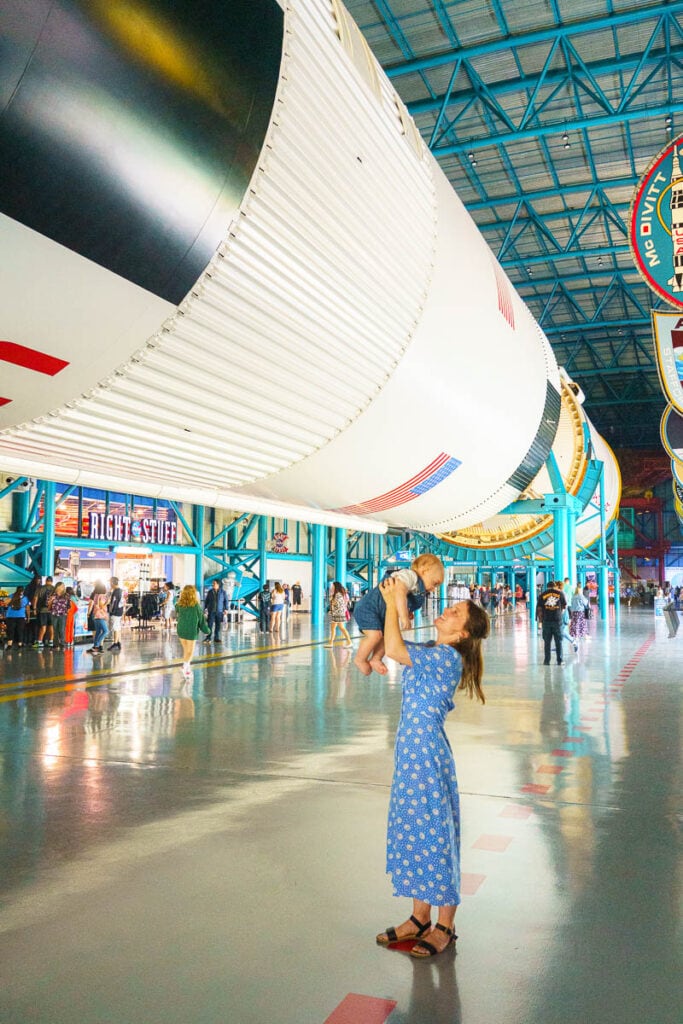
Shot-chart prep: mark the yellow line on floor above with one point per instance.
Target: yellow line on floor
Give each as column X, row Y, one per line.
column 102, row 677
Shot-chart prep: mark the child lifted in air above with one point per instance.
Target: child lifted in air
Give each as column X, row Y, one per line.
column 425, row 574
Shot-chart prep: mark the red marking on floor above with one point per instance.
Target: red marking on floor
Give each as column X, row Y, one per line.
column 495, row 844
column 470, row 884
column 563, row 753
column 402, row 946
column 533, row 787
column 515, row 811
column 5, row 401
column 30, row 358
column 550, row 769
column 355, row 1009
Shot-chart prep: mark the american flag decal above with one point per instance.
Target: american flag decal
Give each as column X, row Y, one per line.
column 504, row 299
column 433, row 474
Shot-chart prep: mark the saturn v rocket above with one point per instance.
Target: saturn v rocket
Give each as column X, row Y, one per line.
column 233, row 274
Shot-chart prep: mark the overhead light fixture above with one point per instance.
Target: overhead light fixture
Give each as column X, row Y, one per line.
column 565, row 139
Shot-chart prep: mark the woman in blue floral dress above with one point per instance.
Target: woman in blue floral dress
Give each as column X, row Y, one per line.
column 423, row 834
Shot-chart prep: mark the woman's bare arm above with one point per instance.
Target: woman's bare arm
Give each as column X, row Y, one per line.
column 393, row 640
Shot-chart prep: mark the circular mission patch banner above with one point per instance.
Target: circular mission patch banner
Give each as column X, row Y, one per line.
column 656, row 224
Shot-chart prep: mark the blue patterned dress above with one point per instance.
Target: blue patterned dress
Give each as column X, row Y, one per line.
column 423, row 833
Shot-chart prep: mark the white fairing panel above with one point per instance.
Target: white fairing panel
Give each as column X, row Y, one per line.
column 353, row 352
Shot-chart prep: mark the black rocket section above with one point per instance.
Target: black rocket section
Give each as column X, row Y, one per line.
column 129, row 131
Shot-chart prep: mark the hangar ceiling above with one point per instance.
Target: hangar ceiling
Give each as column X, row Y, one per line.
column 544, row 115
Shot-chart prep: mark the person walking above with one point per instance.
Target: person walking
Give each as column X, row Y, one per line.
column 551, row 605
column 59, row 607
column 42, row 610
column 423, row 831
column 168, row 607
column 215, row 603
column 115, row 607
column 264, row 609
column 16, row 618
column 577, row 611
column 70, row 627
column 99, row 616
column 339, row 605
column 277, row 603
column 190, row 619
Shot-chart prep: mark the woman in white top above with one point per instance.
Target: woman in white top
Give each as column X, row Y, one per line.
column 277, row 603
column 168, row 606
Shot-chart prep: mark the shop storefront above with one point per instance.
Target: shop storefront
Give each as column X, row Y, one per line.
column 101, row 538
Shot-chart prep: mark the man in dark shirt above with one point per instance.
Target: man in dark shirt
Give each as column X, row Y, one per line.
column 264, row 609
column 551, row 605
column 215, row 603
column 41, row 607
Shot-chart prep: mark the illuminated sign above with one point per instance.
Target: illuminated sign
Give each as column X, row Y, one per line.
column 656, row 225
column 124, row 529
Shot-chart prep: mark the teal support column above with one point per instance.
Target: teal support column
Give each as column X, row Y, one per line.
column 319, row 584
column 571, row 547
column 371, row 551
column 380, row 558
column 443, row 595
column 531, row 590
column 340, row 542
column 560, row 517
column 617, row 576
column 198, row 530
column 263, row 550
column 603, row 571
column 21, row 506
column 232, row 541
column 48, row 542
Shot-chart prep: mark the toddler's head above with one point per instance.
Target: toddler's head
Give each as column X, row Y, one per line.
column 430, row 570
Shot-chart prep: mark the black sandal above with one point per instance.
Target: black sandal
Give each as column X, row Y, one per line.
column 391, row 935
column 429, row 949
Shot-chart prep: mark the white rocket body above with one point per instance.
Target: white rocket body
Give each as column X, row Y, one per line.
column 353, row 354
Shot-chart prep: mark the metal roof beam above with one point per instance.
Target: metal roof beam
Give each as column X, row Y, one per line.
column 589, row 290
column 551, row 193
column 610, row 21
column 575, row 254
column 557, row 128
column 504, row 225
column 606, row 325
column 535, row 82
column 610, row 371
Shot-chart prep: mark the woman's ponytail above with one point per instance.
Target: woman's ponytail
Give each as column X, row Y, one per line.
column 469, row 649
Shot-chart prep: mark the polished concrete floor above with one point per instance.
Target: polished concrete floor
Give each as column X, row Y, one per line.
column 213, row 851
